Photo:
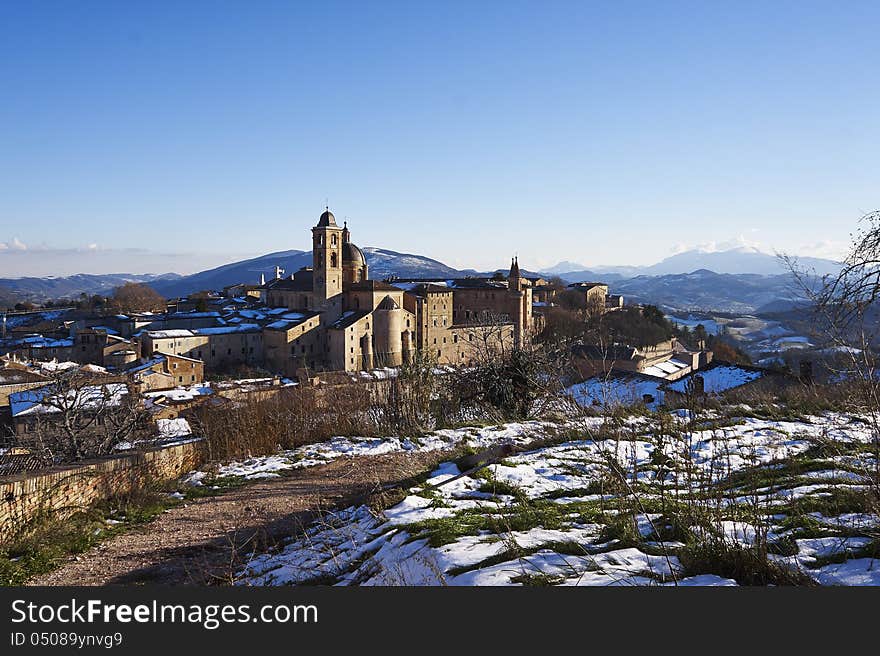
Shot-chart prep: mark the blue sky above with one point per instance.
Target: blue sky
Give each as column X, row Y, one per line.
column 174, row 136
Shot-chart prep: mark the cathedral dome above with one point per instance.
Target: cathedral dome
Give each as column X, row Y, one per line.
column 351, row 254
column 327, row 219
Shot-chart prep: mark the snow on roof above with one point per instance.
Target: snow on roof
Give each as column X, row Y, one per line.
column 719, row 379
column 181, row 393
column 169, row 334
column 616, row 391
column 38, row 341
column 105, row 329
column 147, row 364
column 222, row 330
column 281, row 325
column 348, row 318
column 54, row 366
column 252, row 314
column 43, row 401
column 173, row 427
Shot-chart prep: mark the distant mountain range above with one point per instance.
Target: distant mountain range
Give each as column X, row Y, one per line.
column 40, row 289
column 743, row 293
column 7, row 297
column 741, row 260
column 382, row 262
column 740, row 280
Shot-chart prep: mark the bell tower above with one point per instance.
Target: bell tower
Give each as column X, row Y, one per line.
column 327, row 265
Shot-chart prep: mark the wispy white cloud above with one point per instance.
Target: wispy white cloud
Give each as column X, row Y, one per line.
column 13, row 245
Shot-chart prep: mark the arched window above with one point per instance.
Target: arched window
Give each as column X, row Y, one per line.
column 333, row 240
column 333, row 259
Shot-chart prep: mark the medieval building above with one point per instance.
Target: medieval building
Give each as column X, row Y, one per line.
column 332, row 317
column 353, row 322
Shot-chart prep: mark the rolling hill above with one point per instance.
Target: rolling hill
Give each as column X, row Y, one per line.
column 697, row 289
column 382, row 262
column 41, row 289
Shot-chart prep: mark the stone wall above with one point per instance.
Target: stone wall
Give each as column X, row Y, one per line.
column 62, row 491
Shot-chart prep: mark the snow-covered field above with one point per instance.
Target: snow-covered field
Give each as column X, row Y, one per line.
column 552, row 515
column 708, row 323
column 338, row 447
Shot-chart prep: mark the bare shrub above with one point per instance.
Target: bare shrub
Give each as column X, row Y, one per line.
column 79, row 416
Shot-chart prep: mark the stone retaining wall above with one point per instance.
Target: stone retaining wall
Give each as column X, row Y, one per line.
column 62, row 491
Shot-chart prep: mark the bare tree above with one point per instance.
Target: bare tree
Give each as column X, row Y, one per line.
column 137, row 297
column 79, row 416
column 504, row 379
column 845, row 313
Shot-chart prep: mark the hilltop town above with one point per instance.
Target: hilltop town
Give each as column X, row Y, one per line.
column 512, row 386
column 311, row 326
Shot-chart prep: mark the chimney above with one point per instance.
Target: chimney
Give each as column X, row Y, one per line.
column 262, row 278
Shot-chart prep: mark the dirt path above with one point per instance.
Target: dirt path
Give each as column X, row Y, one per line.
column 202, row 541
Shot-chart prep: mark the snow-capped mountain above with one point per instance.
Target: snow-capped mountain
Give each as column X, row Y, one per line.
column 565, row 266
column 743, row 259
column 741, row 279
column 384, row 263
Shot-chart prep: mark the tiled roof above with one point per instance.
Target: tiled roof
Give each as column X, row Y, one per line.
column 349, row 318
